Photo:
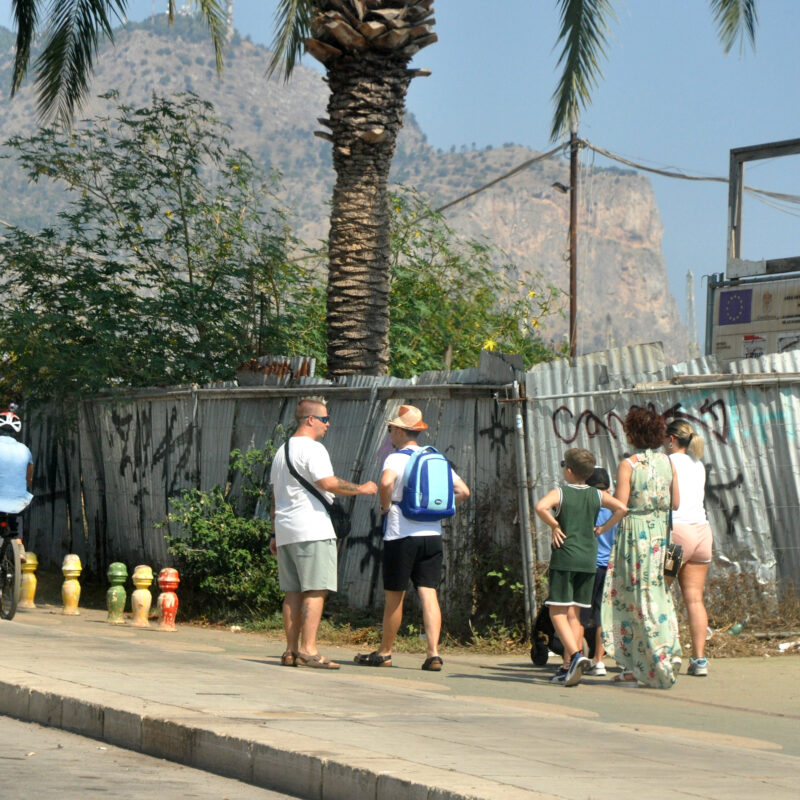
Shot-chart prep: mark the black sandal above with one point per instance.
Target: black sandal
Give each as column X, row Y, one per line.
column 433, row 664
column 373, row 659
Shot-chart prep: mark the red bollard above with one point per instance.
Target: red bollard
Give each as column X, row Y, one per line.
column 168, row 580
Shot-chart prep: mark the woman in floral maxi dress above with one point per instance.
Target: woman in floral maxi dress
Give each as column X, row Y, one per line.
column 640, row 630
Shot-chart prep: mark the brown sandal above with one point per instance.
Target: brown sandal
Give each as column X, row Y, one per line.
column 373, row 659
column 288, row 659
column 316, row 661
column 625, row 677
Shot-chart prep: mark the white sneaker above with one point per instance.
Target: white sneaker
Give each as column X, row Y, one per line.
column 597, row 668
column 676, row 664
column 698, row 667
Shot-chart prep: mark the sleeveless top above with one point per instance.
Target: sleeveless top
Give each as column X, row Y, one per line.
column 576, row 514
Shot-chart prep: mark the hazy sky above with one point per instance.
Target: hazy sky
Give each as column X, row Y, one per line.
column 669, row 98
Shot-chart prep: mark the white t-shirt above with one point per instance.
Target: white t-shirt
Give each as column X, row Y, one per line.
column 299, row 516
column 14, row 460
column 397, row 526
column 691, row 487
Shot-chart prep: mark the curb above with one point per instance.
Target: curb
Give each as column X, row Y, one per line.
column 298, row 765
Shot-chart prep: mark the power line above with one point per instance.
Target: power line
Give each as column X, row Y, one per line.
column 666, row 173
column 519, row 168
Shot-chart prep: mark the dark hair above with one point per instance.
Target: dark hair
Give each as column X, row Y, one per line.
column 599, row 479
column 645, row 428
column 581, row 462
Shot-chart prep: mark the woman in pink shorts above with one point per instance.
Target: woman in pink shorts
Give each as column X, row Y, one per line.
column 690, row 529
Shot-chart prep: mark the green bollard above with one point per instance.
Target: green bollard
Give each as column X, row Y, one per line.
column 116, row 595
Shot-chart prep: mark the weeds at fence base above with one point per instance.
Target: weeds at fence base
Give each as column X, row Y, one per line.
column 769, row 613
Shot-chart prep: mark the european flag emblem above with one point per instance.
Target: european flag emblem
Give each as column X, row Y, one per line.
column 734, row 307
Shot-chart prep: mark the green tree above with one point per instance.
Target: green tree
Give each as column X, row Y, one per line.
column 167, row 265
column 450, row 298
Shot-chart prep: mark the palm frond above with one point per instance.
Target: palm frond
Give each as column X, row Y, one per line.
column 215, row 17
column 26, row 17
column 74, row 31
column 736, row 21
column 583, row 30
column 292, row 21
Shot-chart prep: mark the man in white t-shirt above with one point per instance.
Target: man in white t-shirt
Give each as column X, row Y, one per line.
column 303, row 539
column 411, row 550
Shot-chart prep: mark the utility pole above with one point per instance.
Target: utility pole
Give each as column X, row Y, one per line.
column 573, row 241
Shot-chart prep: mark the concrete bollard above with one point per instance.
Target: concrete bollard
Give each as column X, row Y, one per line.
column 116, row 595
column 71, row 589
column 141, row 599
column 168, row 580
column 28, row 587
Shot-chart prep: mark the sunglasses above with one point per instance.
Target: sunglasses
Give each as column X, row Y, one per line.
column 563, row 464
column 323, row 420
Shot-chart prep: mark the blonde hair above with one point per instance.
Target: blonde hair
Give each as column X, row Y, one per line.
column 687, row 438
column 307, row 406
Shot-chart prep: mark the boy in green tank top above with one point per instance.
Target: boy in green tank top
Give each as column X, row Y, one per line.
column 570, row 511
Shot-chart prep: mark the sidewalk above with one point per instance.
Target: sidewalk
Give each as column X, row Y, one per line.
column 487, row 727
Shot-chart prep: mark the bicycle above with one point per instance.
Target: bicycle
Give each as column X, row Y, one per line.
column 10, row 569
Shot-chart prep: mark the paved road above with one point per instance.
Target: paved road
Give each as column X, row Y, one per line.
column 45, row 763
column 486, row 727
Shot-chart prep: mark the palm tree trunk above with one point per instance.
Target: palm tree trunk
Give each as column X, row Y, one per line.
column 366, row 106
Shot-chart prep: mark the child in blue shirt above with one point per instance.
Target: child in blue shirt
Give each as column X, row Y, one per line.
column 590, row 618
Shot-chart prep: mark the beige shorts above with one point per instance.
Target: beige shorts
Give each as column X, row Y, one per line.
column 696, row 539
column 307, row 566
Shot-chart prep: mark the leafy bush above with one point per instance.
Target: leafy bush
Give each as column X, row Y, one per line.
column 223, row 556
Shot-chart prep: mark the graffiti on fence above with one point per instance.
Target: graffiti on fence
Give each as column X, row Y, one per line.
column 714, row 491
column 371, row 559
column 711, row 416
column 174, row 451
column 564, row 419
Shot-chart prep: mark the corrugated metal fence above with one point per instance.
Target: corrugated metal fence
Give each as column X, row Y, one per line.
column 103, row 490
column 748, row 416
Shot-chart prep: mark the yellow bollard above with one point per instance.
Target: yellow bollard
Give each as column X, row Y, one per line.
column 71, row 589
column 28, row 589
column 141, row 599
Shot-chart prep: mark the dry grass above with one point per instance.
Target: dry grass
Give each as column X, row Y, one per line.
column 770, row 616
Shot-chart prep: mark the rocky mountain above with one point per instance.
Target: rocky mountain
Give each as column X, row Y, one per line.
column 623, row 296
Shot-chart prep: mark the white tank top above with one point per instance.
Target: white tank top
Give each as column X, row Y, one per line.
column 691, row 487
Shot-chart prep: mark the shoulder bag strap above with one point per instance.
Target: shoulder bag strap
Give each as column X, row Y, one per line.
column 303, row 482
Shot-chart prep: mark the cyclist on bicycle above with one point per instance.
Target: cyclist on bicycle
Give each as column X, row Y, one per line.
column 16, row 473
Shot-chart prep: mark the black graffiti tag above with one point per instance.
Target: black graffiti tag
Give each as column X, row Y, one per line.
column 713, row 492
column 712, row 408
column 593, row 424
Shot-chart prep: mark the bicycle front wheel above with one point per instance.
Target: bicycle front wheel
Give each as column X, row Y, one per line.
column 10, row 578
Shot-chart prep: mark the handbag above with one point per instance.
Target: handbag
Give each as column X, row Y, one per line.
column 340, row 519
column 673, row 553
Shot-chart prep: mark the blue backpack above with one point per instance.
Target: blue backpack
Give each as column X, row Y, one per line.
column 427, row 486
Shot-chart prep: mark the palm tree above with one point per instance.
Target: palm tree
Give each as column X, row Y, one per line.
column 73, row 31
column 584, row 28
column 365, row 46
